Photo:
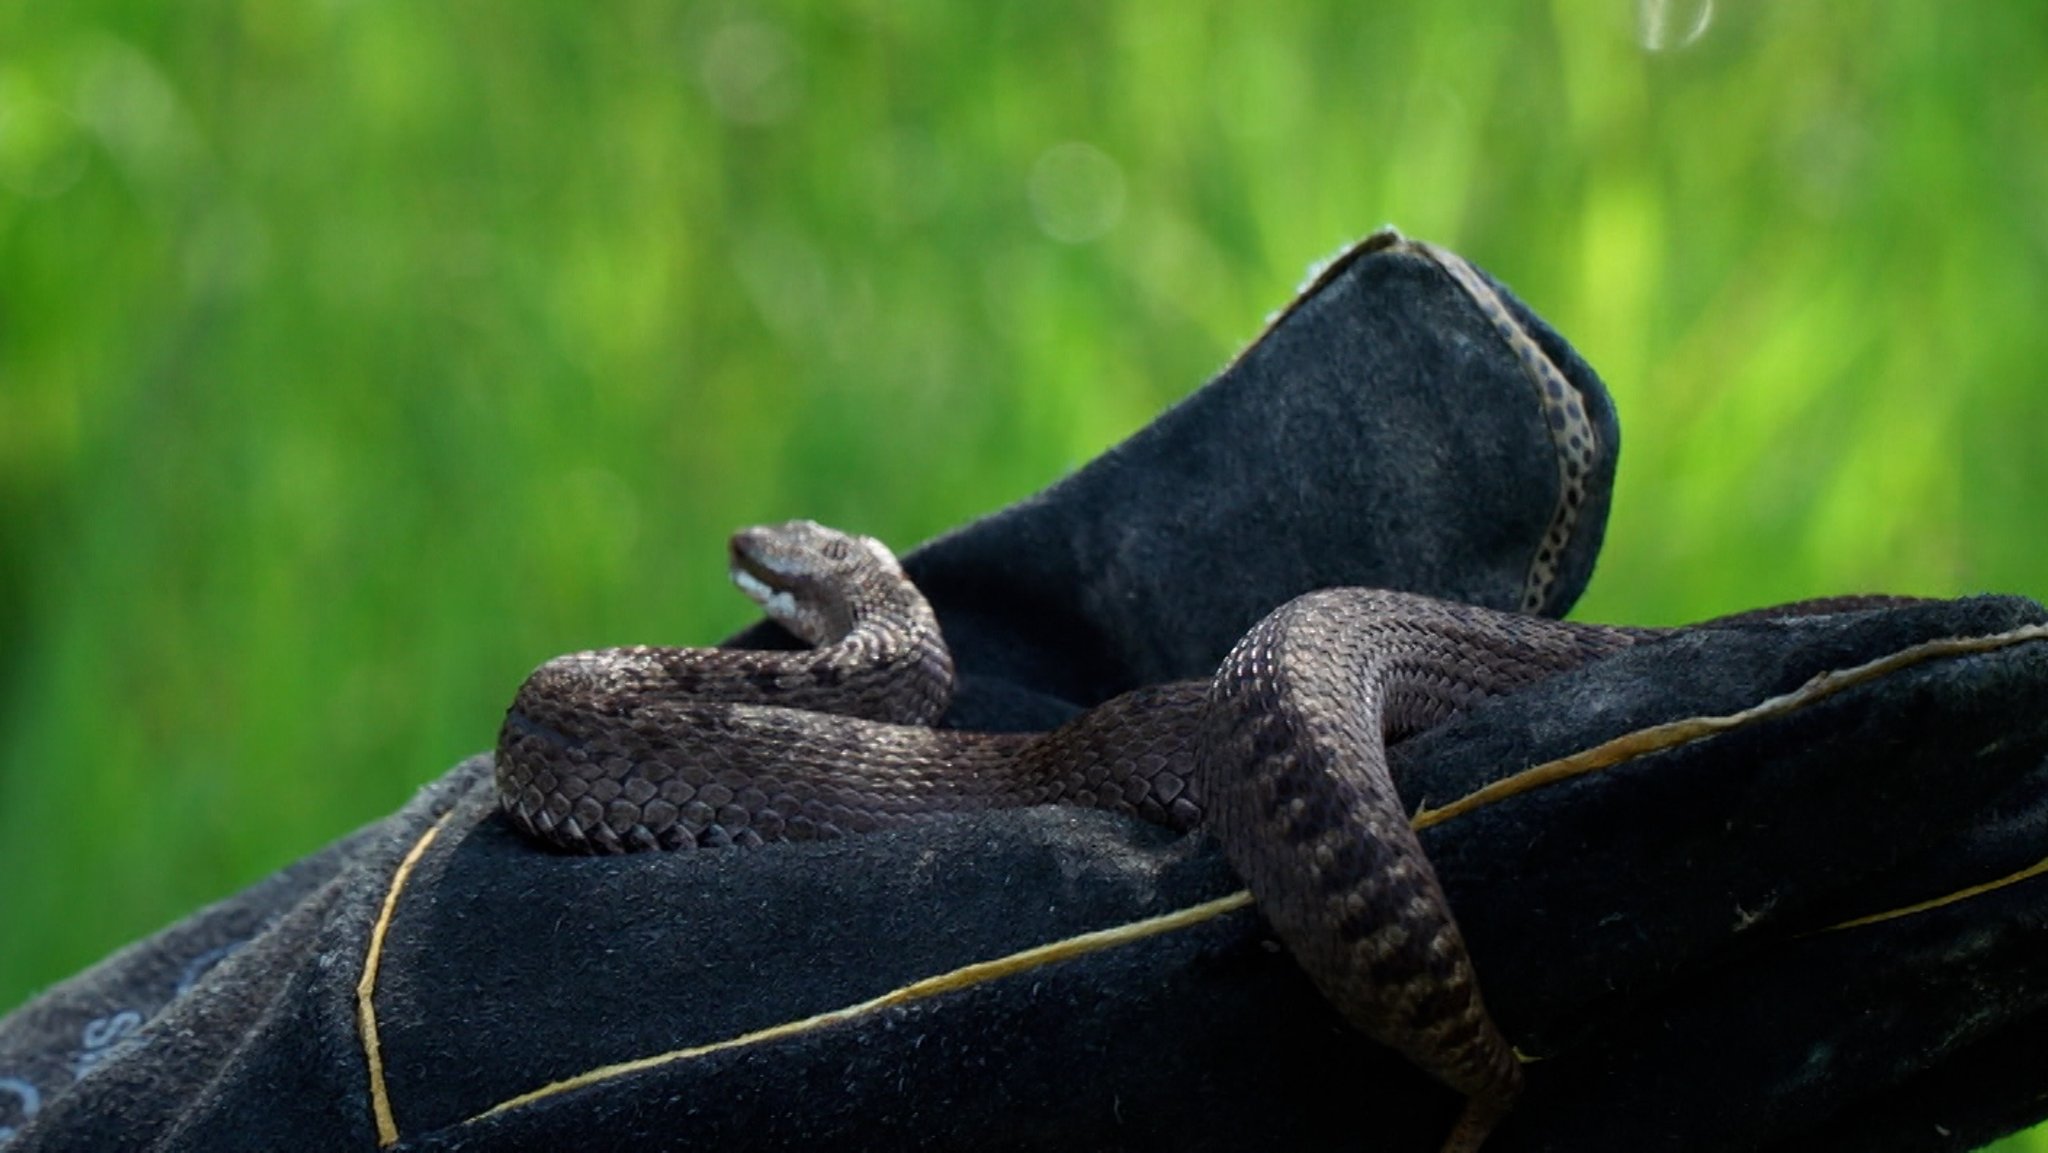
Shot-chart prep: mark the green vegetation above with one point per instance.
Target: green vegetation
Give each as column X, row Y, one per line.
column 356, row 356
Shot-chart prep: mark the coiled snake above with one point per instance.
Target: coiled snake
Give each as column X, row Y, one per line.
column 1281, row 757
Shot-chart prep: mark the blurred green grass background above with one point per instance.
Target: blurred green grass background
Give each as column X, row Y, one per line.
column 355, row 355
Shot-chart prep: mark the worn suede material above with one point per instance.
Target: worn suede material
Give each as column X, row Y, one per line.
column 1660, row 933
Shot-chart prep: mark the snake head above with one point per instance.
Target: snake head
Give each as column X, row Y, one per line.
column 812, row 580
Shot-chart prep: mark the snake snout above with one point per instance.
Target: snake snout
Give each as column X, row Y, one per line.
column 748, row 553
column 785, row 555
column 768, row 550
column 817, row 582
column 786, row 569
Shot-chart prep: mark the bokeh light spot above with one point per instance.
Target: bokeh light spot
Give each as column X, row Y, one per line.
column 750, row 73
column 1665, row 25
column 1077, row 192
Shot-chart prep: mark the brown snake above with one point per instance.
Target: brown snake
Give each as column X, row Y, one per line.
column 1281, row 757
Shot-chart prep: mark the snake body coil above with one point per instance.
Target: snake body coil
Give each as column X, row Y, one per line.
column 1282, row 757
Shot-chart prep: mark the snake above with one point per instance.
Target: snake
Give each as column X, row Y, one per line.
column 1281, row 756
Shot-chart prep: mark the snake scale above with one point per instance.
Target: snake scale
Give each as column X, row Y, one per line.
column 1281, row 756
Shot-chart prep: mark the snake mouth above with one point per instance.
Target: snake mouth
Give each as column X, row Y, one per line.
column 755, row 577
column 760, row 580
column 746, row 571
column 755, row 582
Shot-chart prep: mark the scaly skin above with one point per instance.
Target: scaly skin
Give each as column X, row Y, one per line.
column 1282, row 757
